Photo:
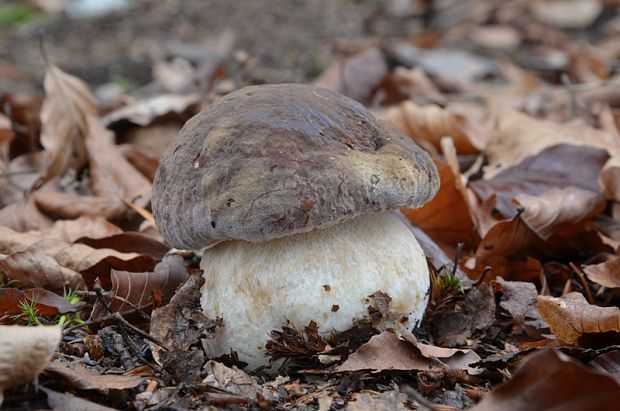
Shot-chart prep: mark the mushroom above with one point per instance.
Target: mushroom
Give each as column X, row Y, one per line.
column 288, row 190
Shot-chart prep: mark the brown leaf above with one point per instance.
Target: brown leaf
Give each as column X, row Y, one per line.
column 558, row 207
column 554, row 167
column 24, row 353
column 518, row 299
column 46, row 302
column 505, row 249
column 69, row 206
column 446, row 218
column 113, row 177
column 231, row 380
column 426, row 125
column 41, row 262
column 571, row 318
column 606, row 274
column 63, row 121
column 517, row 136
column 549, row 380
column 83, row 379
column 404, row 83
column 89, row 226
column 388, row 352
column 358, row 76
column 143, row 161
column 135, row 290
column 24, row 216
column 129, row 242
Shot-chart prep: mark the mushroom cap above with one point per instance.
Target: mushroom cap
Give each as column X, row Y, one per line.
column 269, row 161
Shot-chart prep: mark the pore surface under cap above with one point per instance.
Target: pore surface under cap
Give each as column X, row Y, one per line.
column 269, row 161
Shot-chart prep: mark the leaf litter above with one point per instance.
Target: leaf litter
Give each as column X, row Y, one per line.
column 522, row 239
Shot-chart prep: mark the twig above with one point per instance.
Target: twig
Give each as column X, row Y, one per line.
column 583, row 280
column 17, row 173
column 480, row 279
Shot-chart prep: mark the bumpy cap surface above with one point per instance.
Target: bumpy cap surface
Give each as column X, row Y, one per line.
column 269, row 161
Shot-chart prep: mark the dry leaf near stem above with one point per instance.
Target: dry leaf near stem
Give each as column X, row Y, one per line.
column 606, row 274
column 572, row 319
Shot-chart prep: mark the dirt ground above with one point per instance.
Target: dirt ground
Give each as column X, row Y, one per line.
column 288, row 40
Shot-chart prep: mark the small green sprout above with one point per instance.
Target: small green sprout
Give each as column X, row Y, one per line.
column 449, row 282
column 73, row 318
column 30, row 312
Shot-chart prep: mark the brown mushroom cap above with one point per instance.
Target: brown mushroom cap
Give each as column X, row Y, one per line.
column 269, row 161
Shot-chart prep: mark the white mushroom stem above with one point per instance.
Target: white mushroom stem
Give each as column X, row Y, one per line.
column 324, row 275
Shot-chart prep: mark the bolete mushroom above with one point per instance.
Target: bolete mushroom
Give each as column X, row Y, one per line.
column 287, row 190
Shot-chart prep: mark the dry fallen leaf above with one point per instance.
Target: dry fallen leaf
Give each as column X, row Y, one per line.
column 143, row 112
column 558, row 207
column 567, row 14
column 517, row 136
column 606, row 274
column 554, row 167
column 446, row 218
column 387, row 351
column 90, row 226
column 46, row 302
column 549, row 380
column 414, row 84
column 81, row 378
column 571, row 318
column 67, row 103
column 24, row 353
column 358, row 76
column 427, row 125
column 6, row 137
column 135, row 290
column 37, row 261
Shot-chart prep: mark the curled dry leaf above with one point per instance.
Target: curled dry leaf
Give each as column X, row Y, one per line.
column 554, row 167
column 358, row 76
column 504, row 249
column 517, row 136
column 46, row 302
column 558, row 207
column 136, row 290
column 571, row 318
column 428, row 124
column 144, row 112
column 549, row 380
column 606, row 274
column 67, row 103
column 24, row 216
column 446, row 218
column 143, row 161
column 24, row 353
column 36, row 261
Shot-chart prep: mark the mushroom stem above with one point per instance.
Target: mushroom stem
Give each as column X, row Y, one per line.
column 324, row 275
